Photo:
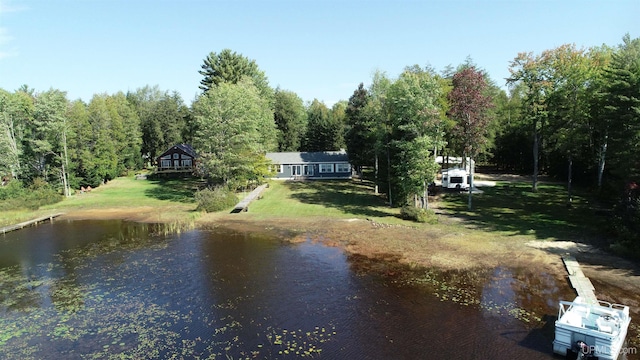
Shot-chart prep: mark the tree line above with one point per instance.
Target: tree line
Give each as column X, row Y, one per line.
column 568, row 112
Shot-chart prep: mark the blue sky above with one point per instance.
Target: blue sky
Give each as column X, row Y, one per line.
column 318, row 49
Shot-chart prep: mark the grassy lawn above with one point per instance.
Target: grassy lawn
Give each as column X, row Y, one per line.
column 126, row 191
column 513, row 209
column 507, row 209
column 330, row 198
column 174, row 196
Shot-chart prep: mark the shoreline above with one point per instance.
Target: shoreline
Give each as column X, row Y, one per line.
column 406, row 249
column 413, row 246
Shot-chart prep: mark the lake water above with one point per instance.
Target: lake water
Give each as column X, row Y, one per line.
column 115, row 289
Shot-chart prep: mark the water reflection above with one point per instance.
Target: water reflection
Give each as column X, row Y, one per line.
column 100, row 289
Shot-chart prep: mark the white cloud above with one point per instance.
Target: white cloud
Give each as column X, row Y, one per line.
column 7, row 7
column 4, row 36
column 5, row 39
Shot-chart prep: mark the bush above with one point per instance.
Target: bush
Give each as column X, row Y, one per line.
column 413, row 213
column 12, row 190
column 219, row 198
column 14, row 196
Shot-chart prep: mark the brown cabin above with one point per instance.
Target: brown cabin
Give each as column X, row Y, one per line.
column 178, row 158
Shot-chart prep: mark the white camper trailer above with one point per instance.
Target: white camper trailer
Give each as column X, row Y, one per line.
column 455, row 178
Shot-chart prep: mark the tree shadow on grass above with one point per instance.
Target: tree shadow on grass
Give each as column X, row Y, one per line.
column 349, row 197
column 178, row 190
column 515, row 209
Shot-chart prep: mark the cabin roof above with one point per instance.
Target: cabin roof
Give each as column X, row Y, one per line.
column 308, row 157
column 186, row 148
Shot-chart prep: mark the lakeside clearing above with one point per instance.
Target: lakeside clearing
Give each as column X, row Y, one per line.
column 509, row 227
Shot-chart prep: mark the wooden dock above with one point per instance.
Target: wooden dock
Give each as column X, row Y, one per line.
column 579, row 282
column 24, row 224
column 244, row 204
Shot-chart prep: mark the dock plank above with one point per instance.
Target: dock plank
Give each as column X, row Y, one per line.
column 24, row 224
column 243, row 205
column 583, row 286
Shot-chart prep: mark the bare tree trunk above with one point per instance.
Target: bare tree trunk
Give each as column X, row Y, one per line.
column 569, row 179
column 65, row 182
column 425, row 195
column 601, row 161
column 13, row 148
column 389, row 176
column 470, row 182
column 376, row 175
column 535, row 159
column 65, row 165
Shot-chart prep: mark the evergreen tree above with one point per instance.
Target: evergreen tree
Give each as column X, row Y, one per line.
column 104, row 146
column 323, row 133
column 230, row 67
column 81, row 144
column 291, row 119
column 162, row 117
column 622, row 97
column 361, row 135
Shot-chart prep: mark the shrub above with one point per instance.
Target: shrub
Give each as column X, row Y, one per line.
column 211, row 200
column 12, row 190
column 413, row 213
column 14, row 196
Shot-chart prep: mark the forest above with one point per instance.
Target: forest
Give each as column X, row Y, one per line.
column 569, row 113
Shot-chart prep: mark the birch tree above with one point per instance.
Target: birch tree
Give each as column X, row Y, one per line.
column 531, row 72
column 15, row 110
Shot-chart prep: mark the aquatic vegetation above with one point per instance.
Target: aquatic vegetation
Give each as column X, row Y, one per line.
column 134, row 293
column 53, row 310
column 466, row 288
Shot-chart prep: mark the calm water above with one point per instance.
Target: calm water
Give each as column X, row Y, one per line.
column 113, row 289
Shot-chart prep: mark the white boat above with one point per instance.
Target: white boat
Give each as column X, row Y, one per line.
column 591, row 330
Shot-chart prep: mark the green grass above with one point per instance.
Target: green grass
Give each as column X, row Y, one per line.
column 513, row 209
column 126, row 191
column 328, row 198
column 505, row 210
column 174, row 195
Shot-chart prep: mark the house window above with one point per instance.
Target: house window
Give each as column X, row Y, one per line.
column 186, row 163
column 165, row 163
column 326, row 168
column 280, row 169
column 296, row 170
column 343, row 167
column 307, row 170
column 176, row 155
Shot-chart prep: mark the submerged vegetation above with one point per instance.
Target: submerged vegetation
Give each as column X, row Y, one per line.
column 123, row 310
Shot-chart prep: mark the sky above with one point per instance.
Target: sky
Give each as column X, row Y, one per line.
column 315, row 48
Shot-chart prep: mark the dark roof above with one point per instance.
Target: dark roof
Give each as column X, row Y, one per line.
column 186, row 148
column 308, row 157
